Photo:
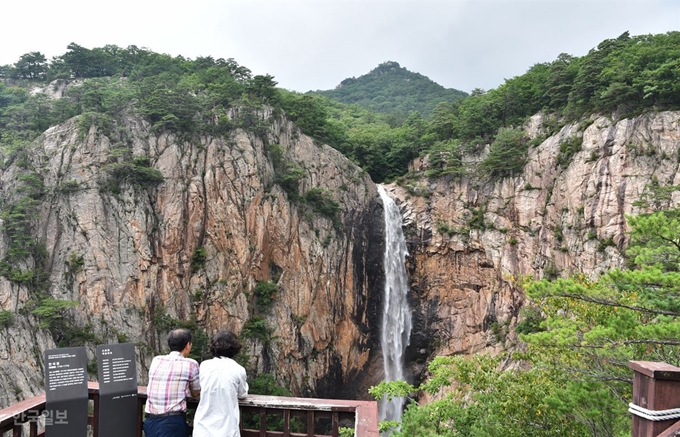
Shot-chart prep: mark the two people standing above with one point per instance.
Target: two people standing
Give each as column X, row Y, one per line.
column 174, row 376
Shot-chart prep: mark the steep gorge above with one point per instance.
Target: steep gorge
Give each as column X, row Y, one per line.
column 471, row 241
column 138, row 253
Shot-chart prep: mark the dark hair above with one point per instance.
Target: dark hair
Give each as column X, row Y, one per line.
column 224, row 344
column 178, row 339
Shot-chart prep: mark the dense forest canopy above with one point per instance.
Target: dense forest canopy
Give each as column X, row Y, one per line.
column 621, row 77
column 392, row 89
column 174, row 93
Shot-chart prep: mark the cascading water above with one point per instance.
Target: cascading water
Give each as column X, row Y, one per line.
column 396, row 324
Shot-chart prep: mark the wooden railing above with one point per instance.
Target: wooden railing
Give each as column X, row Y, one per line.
column 293, row 417
column 656, row 393
column 656, row 397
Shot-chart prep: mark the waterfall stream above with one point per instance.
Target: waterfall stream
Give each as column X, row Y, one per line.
column 396, row 323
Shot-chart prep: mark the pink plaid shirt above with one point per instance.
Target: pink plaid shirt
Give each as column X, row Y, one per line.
column 171, row 377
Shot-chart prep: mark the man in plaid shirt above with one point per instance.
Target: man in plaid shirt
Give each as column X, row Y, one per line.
column 172, row 378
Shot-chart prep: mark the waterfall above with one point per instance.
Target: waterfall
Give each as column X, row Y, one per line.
column 396, row 323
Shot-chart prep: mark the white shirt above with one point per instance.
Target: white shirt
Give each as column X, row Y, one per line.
column 223, row 383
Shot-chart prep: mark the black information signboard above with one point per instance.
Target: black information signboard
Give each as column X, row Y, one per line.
column 66, row 392
column 117, row 390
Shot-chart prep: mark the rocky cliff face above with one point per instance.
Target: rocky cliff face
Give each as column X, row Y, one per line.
column 470, row 240
column 144, row 230
column 138, row 254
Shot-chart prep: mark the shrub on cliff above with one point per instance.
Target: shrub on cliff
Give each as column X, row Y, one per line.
column 137, row 172
column 507, row 154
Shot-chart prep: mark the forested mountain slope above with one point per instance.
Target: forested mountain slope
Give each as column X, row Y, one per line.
column 391, row 89
column 621, row 77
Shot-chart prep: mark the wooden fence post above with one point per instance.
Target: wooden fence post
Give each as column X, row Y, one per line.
column 656, row 387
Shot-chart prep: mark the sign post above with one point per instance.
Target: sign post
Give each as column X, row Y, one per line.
column 66, row 392
column 117, row 390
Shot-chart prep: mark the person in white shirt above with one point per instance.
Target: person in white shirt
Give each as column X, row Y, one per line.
column 223, row 383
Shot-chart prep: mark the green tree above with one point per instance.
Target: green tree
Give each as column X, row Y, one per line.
column 264, row 88
column 6, row 70
column 478, row 116
column 591, row 329
column 308, row 112
column 6, row 318
column 10, row 96
column 592, row 79
column 102, row 95
column 31, row 65
column 442, row 121
column 522, row 96
column 559, row 82
column 51, row 312
column 168, row 102
column 507, row 153
column 476, row 397
column 446, row 159
column 82, row 62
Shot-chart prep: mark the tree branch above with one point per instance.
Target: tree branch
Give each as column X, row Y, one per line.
column 615, row 304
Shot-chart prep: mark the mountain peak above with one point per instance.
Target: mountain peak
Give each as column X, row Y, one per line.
column 386, row 67
column 391, row 88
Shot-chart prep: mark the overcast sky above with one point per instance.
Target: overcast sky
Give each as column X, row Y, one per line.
column 315, row 44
